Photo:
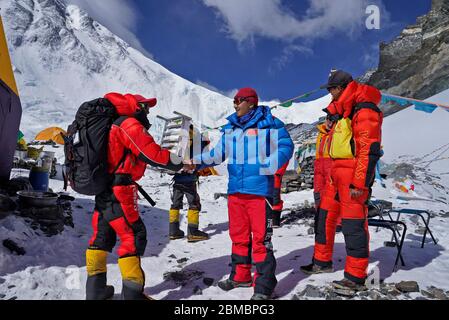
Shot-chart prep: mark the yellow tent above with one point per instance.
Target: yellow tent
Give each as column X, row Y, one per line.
column 10, row 110
column 53, row 133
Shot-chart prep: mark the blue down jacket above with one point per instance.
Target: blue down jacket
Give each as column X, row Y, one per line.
column 254, row 150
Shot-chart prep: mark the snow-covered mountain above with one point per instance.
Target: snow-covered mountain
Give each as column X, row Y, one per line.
column 63, row 57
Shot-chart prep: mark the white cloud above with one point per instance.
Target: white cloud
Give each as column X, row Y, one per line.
column 119, row 16
column 248, row 19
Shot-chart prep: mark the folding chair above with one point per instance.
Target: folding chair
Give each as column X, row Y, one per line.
column 420, row 214
column 377, row 208
column 391, row 225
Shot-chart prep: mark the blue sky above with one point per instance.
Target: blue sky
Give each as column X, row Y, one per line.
column 282, row 48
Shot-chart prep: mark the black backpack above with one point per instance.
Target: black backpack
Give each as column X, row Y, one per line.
column 86, row 148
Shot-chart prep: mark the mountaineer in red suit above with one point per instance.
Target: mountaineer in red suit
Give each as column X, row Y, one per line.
column 355, row 108
column 131, row 148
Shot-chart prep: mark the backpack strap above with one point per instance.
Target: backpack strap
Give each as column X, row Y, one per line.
column 120, row 120
column 122, row 160
column 126, row 152
column 364, row 105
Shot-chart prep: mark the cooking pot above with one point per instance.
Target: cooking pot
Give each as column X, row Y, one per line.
column 37, row 199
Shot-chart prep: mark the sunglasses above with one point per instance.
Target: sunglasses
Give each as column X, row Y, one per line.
column 331, row 88
column 240, row 100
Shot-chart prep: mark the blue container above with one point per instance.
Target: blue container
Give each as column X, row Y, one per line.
column 39, row 179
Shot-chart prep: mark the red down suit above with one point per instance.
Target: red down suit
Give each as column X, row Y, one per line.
column 359, row 103
column 131, row 148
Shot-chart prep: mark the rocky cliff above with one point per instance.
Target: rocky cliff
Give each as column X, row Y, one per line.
column 416, row 63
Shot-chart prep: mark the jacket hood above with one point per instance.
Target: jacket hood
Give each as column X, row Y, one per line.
column 125, row 105
column 353, row 94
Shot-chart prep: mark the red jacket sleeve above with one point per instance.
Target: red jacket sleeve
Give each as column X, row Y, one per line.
column 137, row 139
column 367, row 134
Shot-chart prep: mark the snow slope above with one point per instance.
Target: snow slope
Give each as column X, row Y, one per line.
column 63, row 57
column 54, row 268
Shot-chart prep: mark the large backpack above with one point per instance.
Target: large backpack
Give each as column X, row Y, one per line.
column 86, row 147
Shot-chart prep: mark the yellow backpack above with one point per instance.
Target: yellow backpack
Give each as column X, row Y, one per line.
column 341, row 140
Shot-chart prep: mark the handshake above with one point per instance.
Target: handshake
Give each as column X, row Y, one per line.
column 189, row 167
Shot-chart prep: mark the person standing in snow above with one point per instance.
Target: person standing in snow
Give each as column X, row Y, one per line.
column 355, row 150
column 130, row 149
column 185, row 184
column 256, row 145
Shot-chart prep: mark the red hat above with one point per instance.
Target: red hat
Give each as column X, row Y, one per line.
column 150, row 101
column 250, row 94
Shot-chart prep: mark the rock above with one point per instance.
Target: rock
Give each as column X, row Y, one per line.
column 420, row 49
column 13, row 298
column 197, row 291
column 182, row 260
column 394, row 292
column 407, row 286
column 364, row 293
column 2, row 280
column 2, row 296
column 312, row 292
column 437, row 293
column 310, row 231
column 13, row 247
column 172, row 256
column 374, row 295
column 333, row 296
column 11, row 286
column 208, row 281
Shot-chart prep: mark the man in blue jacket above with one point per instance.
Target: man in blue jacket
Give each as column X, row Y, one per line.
column 256, row 145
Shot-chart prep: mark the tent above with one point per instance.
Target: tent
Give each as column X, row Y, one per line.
column 10, row 110
column 53, row 133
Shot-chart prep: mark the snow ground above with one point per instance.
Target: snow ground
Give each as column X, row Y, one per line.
column 49, row 270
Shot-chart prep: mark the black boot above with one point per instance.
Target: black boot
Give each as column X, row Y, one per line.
column 347, row 287
column 197, row 235
column 193, row 234
column 133, row 291
column 229, row 284
column 316, row 269
column 175, row 232
column 96, row 288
